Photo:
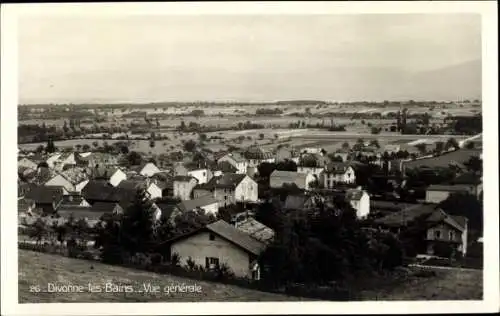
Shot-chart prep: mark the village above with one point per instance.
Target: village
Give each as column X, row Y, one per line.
column 226, row 211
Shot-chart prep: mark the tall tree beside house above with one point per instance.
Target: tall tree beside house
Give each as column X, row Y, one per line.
column 265, row 169
column 50, row 148
column 286, row 165
column 190, row 145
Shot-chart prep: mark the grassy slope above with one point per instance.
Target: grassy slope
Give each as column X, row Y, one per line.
column 39, row 268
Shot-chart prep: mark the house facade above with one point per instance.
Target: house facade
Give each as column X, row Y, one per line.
column 279, row 178
column 229, row 189
column 183, row 187
column 70, row 185
column 220, row 243
column 338, row 173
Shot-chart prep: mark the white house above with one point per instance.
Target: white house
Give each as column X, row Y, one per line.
column 202, row 175
column 302, row 180
column 220, row 243
column 360, row 201
column 338, row 172
column 315, row 171
column 183, row 186
column 117, row 177
column 237, row 161
column 27, row 163
column 154, row 190
column 147, row 169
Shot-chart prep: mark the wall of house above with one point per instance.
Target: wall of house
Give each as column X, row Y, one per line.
column 436, row 196
column 184, row 189
column 240, row 166
column 363, row 208
column 197, row 193
column 59, row 180
column 117, row 177
column 154, row 191
column 199, row 247
column 224, row 196
column 247, row 190
column 278, row 182
column 211, row 208
column 445, row 230
column 314, row 171
column 201, row 175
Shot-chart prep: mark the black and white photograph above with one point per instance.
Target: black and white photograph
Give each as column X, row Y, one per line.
column 237, row 156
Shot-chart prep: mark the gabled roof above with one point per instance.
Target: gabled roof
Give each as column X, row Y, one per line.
column 189, row 205
column 227, row 180
column 98, row 190
column 45, row 194
column 184, row 178
column 131, row 184
column 231, row 234
column 226, row 167
column 75, row 175
column 103, row 207
column 235, row 156
column 337, row 167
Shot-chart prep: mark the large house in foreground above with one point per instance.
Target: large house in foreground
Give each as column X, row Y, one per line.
column 220, row 243
column 433, row 229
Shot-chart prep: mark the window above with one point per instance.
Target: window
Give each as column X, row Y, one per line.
column 211, row 237
column 211, row 263
column 451, row 235
column 437, row 234
column 204, row 173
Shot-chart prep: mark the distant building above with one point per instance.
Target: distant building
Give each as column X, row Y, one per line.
column 147, row 169
column 207, row 203
column 229, row 189
column 439, row 193
column 183, row 186
column 46, row 198
column 237, row 160
column 338, row 172
column 73, row 179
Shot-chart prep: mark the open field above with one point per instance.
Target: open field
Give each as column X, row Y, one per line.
column 41, row 269
column 453, row 284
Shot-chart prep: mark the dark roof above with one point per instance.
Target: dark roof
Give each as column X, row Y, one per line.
column 80, row 213
column 450, row 188
column 131, row 184
column 337, row 167
column 231, row 234
column 102, row 191
column 72, row 199
column 184, row 178
column 45, row 194
column 103, row 172
column 226, row 167
column 103, row 207
column 189, row 205
column 407, row 215
column 295, row 202
column 227, row 180
column 467, row 178
column 388, row 205
column 256, row 230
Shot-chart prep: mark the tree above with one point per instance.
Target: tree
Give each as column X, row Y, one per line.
column 182, row 127
column 451, row 143
column 265, row 169
column 376, row 130
column 39, row 149
column 95, row 144
column 466, row 205
column 124, row 149
column 286, row 165
column 345, row 145
column 85, row 147
column 261, row 136
column 439, row 147
column 422, row 147
column 374, row 143
column 190, row 145
column 134, row 158
column 203, row 137
column 39, row 230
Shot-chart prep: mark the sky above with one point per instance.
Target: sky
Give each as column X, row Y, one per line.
column 248, row 58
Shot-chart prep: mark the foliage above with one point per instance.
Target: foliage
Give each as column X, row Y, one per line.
column 134, row 158
column 190, row 145
column 466, row 205
column 451, row 144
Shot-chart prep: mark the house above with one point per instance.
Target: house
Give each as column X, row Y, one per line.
column 207, row 203
column 237, row 160
column 255, row 229
column 360, row 201
column 102, row 191
column 60, row 161
column 299, row 202
column 147, row 169
column 312, row 163
column 42, row 175
column 46, row 198
column 92, row 215
column 96, row 159
column 224, row 167
column 73, row 179
column 151, row 189
column 302, row 180
column 338, row 172
column 71, row 200
column 27, row 163
column 283, row 154
column 229, row 188
column 113, row 175
column 312, row 150
column 183, row 187
column 203, row 175
column 437, row 193
column 220, row 243
column 432, row 228
column 342, row 153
